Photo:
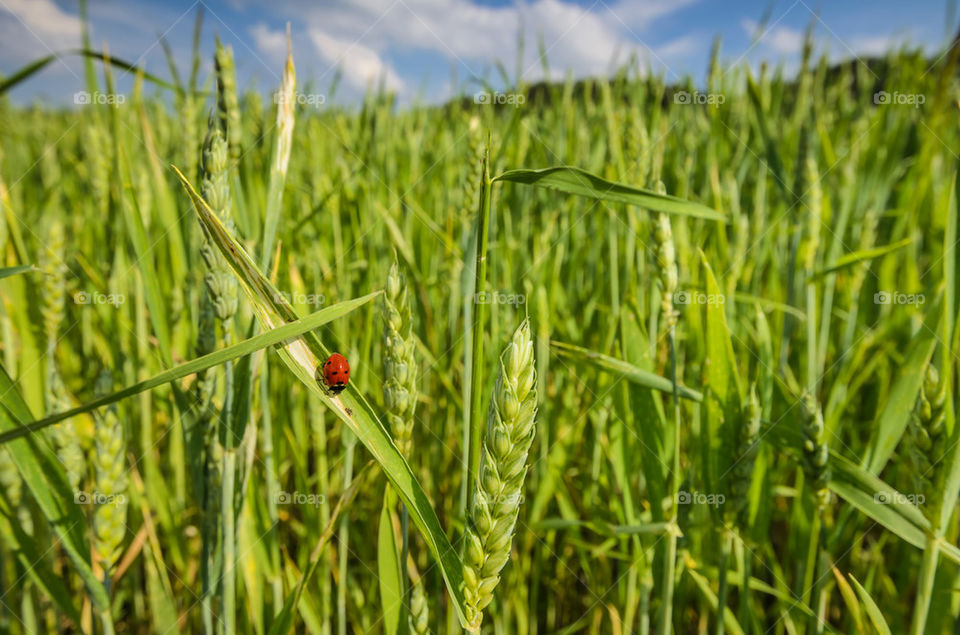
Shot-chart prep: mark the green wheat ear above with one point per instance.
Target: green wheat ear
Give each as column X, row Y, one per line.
column 110, row 506
column 741, row 474
column 399, row 363
column 65, row 436
column 666, row 264
column 418, row 618
column 220, row 280
column 503, row 467
column 816, row 452
column 228, row 104
column 927, row 438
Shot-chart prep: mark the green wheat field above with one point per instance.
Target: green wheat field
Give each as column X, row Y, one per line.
column 626, row 356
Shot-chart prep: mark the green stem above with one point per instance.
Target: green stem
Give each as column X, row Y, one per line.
column 273, row 488
column 344, row 537
column 928, row 574
column 670, row 549
column 106, row 622
column 745, row 616
column 228, row 588
column 810, row 570
column 479, row 313
column 813, row 364
column 227, row 507
column 646, row 586
column 725, row 541
column 404, row 551
column 208, row 557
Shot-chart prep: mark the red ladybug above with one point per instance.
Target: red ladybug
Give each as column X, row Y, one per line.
column 336, row 373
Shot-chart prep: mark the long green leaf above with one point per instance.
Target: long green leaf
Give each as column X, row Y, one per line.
column 38, row 65
column 729, row 619
column 865, row 491
column 43, row 474
column 950, row 472
column 903, row 396
column 389, row 568
column 301, row 357
column 849, row 598
column 722, row 405
column 36, row 566
column 859, row 256
column 576, row 181
column 873, row 611
column 275, row 336
column 6, row 272
column 624, row 369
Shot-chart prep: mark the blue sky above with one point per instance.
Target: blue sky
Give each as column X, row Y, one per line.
column 432, row 49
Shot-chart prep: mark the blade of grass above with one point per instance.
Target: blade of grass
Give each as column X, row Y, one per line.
column 855, row 257
column 6, row 272
column 44, row 476
column 873, row 611
column 272, row 337
column 302, row 357
column 477, row 421
column 388, row 568
column 582, row 183
column 38, row 65
column 624, row 369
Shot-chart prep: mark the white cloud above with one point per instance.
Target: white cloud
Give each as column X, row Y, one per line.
column 637, row 16
column 788, row 42
column 361, row 36
column 272, row 43
column 781, row 39
column 33, row 28
column 682, row 47
column 361, row 65
column 44, row 18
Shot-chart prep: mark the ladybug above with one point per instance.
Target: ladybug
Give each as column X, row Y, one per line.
column 335, row 373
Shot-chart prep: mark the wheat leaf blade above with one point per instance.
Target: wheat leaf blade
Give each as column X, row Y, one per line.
column 582, row 183
column 302, row 357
